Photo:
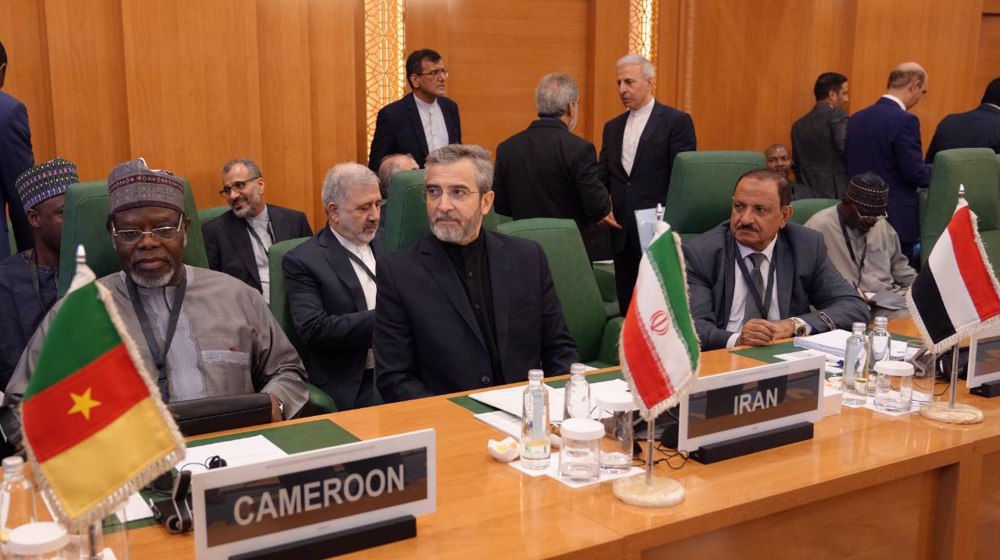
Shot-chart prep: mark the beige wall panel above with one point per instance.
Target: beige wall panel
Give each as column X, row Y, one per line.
column 23, row 33
column 607, row 43
column 943, row 38
column 286, row 103
column 192, row 71
column 337, row 81
column 988, row 59
column 747, row 82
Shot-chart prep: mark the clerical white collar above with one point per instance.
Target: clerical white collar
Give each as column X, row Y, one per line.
column 768, row 251
column 896, row 99
column 424, row 104
column 644, row 110
column 260, row 219
column 348, row 244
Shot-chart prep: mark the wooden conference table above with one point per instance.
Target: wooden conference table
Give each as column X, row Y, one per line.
column 866, row 486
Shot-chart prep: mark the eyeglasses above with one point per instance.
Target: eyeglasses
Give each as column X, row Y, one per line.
column 440, row 72
column 133, row 236
column 237, row 186
column 458, row 194
column 867, row 218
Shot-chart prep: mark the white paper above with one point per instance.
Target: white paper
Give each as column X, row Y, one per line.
column 135, row 509
column 503, row 421
column 553, row 472
column 834, row 342
column 511, row 399
column 244, row 451
column 645, row 220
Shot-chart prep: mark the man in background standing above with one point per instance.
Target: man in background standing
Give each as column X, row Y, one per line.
column 15, row 158
column 818, row 139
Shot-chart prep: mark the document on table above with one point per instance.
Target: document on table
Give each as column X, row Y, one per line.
column 833, row 342
column 511, row 399
column 237, row 452
column 553, row 472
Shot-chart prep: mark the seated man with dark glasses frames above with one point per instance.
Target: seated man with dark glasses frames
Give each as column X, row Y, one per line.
column 202, row 333
column 864, row 247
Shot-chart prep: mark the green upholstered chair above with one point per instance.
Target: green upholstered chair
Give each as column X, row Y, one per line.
column 85, row 222
column 319, row 402
column 406, row 220
column 604, row 273
column 492, row 221
column 10, row 238
column 211, row 213
column 701, row 188
column 804, row 209
column 596, row 336
column 977, row 169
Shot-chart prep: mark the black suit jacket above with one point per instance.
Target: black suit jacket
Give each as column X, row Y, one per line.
column 427, row 340
column 398, row 130
column 230, row 248
column 330, row 314
column 979, row 128
column 668, row 132
column 805, row 277
column 818, row 151
column 15, row 158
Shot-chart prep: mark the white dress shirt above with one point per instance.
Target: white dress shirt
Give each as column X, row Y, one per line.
column 636, row 122
column 741, row 293
column 261, row 225
column 896, row 99
column 363, row 252
column 435, row 131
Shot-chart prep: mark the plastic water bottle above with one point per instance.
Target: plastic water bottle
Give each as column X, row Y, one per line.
column 854, row 383
column 17, row 500
column 535, row 448
column 576, row 394
column 880, row 342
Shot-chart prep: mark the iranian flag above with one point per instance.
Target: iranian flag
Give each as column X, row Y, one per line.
column 956, row 294
column 659, row 347
column 94, row 425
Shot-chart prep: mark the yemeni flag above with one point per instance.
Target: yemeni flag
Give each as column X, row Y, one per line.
column 956, row 295
column 94, row 425
column 659, row 347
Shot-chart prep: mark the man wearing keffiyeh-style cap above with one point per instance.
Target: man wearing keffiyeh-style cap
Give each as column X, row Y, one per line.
column 864, row 247
column 29, row 279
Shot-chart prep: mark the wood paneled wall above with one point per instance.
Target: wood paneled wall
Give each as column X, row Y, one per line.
column 189, row 85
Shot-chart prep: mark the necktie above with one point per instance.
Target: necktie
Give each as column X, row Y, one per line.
column 750, row 310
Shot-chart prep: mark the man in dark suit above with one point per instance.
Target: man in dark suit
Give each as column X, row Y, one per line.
column 465, row 308
column 238, row 241
column 547, row 171
column 818, row 139
column 637, row 155
column 421, row 121
column 753, row 280
column 15, row 158
column 885, row 140
column 978, row 128
column 330, row 282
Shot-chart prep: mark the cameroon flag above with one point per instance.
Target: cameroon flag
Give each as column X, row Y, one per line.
column 94, row 425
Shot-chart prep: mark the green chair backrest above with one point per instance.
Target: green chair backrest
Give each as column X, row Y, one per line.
column 279, row 300
column 804, row 209
column 701, row 188
column 406, row 220
column 573, row 277
column 499, row 219
column 206, row 214
column 85, row 222
column 10, row 238
column 977, row 169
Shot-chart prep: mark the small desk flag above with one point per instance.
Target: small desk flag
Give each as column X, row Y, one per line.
column 956, row 294
column 94, row 425
column 659, row 347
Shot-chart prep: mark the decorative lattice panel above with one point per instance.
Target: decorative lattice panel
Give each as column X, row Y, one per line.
column 384, row 57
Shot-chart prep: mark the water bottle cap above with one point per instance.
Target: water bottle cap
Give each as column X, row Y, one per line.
column 577, row 369
column 12, row 464
column 535, row 375
column 858, row 325
column 616, row 401
column 581, row 429
column 881, row 321
column 38, row 538
column 894, row 368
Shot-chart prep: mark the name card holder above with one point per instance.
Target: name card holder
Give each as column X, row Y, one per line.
column 316, row 504
column 745, row 411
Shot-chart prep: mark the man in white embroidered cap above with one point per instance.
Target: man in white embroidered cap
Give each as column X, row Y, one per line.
column 203, row 332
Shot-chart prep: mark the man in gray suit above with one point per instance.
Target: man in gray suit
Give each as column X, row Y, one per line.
column 752, row 281
column 818, row 139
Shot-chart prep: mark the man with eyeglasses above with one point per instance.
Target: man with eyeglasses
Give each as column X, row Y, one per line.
column 201, row 332
column 238, row 242
column 421, row 121
column 465, row 308
column 864, row 247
